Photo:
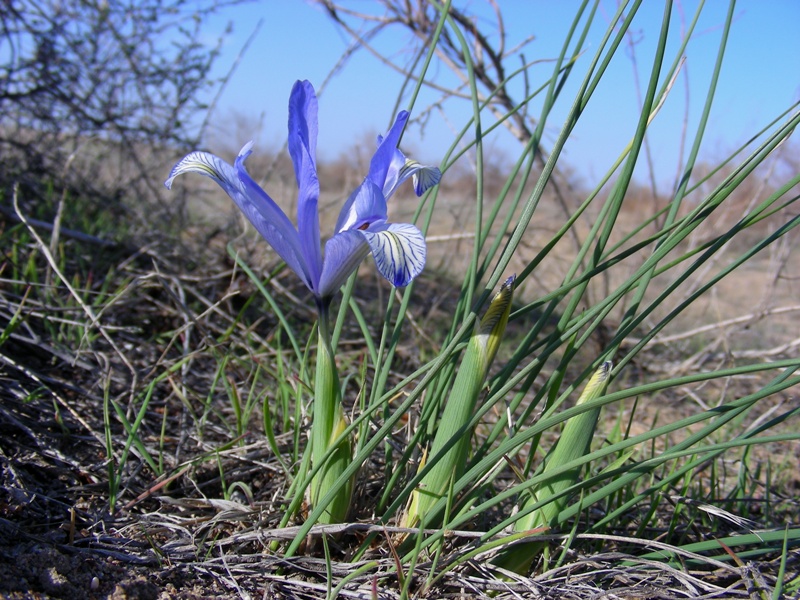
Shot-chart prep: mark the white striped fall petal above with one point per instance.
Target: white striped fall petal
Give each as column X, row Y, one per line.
column 399, row 251
column 206, row 164
column 424, row 178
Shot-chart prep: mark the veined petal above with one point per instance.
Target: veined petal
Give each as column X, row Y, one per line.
column 365, row 206
column 424, row 177
column 302, row 147
column 206, row 164
column 385, row 154
column 268, row 219
column 343, row 253
column 399, row 251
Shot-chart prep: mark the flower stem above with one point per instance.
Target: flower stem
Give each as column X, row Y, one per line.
column 326, row 428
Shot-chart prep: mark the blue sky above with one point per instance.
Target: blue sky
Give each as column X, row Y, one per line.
column 760, row 78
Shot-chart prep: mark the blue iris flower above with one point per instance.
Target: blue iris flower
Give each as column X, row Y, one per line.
column 362, row 227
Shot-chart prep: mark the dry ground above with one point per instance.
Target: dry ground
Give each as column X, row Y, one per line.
column 173, row 302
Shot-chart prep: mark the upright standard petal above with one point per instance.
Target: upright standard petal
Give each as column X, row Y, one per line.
column 399, row 251
column 385, row 154
column 302, row 148
column 268, row 219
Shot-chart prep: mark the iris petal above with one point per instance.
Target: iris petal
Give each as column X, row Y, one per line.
column 424, row 177
column 343, row 253
column 399, row 251
column 206, row 164
column 385, row 154
column 365, row 205
column 266, row 216
column 302, row 148
column 396, row 165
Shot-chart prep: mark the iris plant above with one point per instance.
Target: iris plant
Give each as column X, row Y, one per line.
column 362, row 227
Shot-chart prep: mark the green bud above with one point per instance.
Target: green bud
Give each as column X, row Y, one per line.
column 459, row 409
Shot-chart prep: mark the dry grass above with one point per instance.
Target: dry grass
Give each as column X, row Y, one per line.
column 170, row 310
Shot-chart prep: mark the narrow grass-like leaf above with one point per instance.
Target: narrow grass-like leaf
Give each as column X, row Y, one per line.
column 269, row 298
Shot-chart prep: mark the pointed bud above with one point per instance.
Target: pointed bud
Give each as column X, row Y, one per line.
column 492, row 326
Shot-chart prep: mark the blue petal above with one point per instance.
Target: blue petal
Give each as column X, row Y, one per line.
column 365, row 206
column 385, row 154
column 302, row 148
column 206, row 164
column 399, row 251
column 268, row 219
column 424, row 177
column 393, row 174
column 343, row 253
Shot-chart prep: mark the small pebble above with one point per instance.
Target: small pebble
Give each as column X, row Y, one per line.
column 95, row 584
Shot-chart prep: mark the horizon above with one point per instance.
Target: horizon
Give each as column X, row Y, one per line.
column 605, row 127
